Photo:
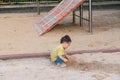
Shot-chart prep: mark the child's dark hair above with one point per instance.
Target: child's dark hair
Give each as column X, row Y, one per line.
column 65, row 38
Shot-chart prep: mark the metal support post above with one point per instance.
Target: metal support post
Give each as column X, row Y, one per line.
column 38, row 7
column 90, row 16
column 74, row 17
column 81, row 14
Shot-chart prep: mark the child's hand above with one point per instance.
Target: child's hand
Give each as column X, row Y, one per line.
column 65, row 60
column 69, row 59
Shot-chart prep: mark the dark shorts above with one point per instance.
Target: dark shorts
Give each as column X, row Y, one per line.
column 58, row 60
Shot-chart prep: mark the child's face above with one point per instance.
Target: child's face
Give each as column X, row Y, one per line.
column 66, row 44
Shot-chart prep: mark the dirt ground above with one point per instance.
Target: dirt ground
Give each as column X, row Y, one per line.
column 92, row 66
column 17, row 35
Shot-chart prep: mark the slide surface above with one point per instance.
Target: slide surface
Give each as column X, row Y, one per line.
column 56, row 15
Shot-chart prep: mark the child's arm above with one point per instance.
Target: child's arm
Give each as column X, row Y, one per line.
column 64, row 59
column 67, row 56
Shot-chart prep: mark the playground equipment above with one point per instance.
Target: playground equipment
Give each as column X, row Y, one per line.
column 42, row 54
column 59, row 12
column 80, row 16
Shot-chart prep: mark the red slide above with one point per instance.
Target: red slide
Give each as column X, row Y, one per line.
column 56, row 15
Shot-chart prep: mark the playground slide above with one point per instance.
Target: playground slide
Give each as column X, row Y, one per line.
column 56, row 15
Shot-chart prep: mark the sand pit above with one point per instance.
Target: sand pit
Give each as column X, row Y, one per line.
column 85, row 67
column 18, row 36
column 102, row 62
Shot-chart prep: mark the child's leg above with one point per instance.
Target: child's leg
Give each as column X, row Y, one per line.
column 58, row 60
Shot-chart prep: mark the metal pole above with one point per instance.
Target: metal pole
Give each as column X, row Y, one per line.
column 90, row 16
column 81, row 14
column 38, row 7
column 74, row 17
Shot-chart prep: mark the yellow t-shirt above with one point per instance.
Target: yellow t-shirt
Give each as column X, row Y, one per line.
column 58, row 51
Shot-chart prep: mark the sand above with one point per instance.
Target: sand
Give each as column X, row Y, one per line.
column 85, row 67
column 18, row 36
